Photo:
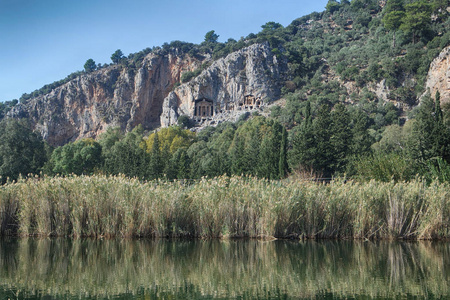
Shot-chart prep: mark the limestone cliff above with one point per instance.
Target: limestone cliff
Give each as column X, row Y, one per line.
column 438, row 78
column 125, row 97
column 114, row 96
column 242, row 81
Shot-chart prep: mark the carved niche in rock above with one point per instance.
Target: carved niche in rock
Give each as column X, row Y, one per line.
column 204, row 108
column 250, row 102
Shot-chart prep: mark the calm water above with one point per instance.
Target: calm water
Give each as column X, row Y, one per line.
column 142, row 269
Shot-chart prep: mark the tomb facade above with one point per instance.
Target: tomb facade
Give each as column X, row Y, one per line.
column 204, row 109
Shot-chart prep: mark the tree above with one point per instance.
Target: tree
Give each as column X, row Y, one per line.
column 252, row 150
column 211, row 37
column 117, row 56
column 439, row 8
column 156, row 164
column 282, row 164
column 303, row 143
column 184, row 122
column 417, row 18
column 340, row 137
column 394, row 13
column 392, row 21
column 332, row 6
column 394, row 5
column 237, row 155
column 21, row 150
column 361, row 139
column 178, row 165
column 270, row 27
column 322, row 131
column 441, row 134
column 269, row 155
column 90, row 65
column 430, row 137
column 125, row 154
column 81, row 157
column 171, row 138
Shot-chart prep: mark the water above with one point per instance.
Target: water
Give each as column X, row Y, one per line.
column 243, row 269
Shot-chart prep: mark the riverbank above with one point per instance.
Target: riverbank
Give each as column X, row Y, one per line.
column 103, row 206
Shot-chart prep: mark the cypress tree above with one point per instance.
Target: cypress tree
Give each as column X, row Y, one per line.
column 251, row 152
column 155, row 158
column 237, row 155
column 323, row 155
column 303, row 143
column 340, row 138
column 440, row 132
column 283, row 165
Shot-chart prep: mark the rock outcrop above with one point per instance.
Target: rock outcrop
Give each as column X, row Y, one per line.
column 242, row 81
column 438, row 78
column 125, row 97
column 114, row 96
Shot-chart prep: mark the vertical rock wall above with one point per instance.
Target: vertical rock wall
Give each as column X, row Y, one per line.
column 124, row 97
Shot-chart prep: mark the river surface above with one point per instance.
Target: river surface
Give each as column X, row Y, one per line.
column 225, row 269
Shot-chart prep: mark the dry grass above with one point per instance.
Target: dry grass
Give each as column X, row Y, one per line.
column 103, row 206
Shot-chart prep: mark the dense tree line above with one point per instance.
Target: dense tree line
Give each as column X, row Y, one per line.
column 332, row 140
column 257, row 147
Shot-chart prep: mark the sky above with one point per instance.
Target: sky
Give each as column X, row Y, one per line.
column 42, row 41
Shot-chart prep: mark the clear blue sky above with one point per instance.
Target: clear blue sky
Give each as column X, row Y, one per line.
column 42, row 41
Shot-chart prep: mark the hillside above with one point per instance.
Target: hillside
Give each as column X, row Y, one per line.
column 350, row 78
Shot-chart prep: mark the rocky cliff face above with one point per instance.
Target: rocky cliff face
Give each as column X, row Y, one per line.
column 115, row 96
column 242, row 81
column 123, row 97
column 438, row 78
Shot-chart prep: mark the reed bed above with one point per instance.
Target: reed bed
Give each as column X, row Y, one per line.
column 105, row 206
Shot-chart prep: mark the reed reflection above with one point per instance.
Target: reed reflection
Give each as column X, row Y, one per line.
column 221, row 268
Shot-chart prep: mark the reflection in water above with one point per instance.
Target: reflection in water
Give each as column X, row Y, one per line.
column 144, row 269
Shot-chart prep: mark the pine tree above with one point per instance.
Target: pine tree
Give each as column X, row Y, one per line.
column 417, row 18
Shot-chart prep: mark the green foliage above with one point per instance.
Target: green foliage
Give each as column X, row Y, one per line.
column 211, row 37
column 117, row 56
column 125, row 154
column 184, row 122
column 393, row 19
column 156, row 162
column 269, row 27
column 22, row 151
column 332, row 6
column 171, row 138
column 90, row 65
column 81, row 157
column 417, row 18
column 384, row 167
column 188, row 75
column 430, row 137
column 6, row 106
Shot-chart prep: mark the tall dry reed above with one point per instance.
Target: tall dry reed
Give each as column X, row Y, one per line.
column 104, row 206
